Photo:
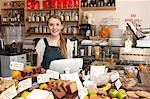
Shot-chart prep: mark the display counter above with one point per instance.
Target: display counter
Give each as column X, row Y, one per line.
column 134, row 82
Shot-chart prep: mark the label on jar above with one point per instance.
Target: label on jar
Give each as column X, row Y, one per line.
column 69, row 30
column 67, row 18
column 42, row 18
column 36, row 30
column 33, row 19
column 45, row 30
column 37, row 18
column 40, row 29
column 29, row 18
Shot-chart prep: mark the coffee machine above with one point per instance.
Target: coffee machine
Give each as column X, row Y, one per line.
column 85, row 29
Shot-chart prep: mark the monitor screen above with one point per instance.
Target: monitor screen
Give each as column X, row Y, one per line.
column 73, row 64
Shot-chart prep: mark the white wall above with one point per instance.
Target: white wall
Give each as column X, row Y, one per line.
column 124, row 9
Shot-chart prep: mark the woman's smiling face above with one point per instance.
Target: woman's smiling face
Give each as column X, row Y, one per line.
column 55, row 26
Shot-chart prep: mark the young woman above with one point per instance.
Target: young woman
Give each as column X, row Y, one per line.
column 53, row 46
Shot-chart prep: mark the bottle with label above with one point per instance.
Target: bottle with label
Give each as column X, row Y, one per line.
column 76, row 16
column 88, row 31
column 47, row 16
column 44, row 29
column 33, row 17
column 67, row 17
column 38, row 17
column 40, row 29
column 62, row 16
column 36, row 29
column 43, row 17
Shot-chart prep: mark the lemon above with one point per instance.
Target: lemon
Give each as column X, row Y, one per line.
column 121, row 91
column 93, row 95
column 86, row 97
column 24, row 94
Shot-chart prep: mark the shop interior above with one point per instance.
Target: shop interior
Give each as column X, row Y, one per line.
column 110, row 42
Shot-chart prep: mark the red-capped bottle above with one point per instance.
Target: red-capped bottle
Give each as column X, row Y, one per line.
column 70, row 3
column 36, row 5
column 65, row 3
column 59, row 3
column 30, row 4
column 54, row 3
column 76, row 3
column 46, row 4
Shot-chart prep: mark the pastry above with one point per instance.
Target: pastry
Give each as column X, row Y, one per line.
column 132, row 94
column 144, row 94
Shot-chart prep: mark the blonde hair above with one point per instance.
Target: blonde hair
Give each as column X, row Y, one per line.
column 62, row 46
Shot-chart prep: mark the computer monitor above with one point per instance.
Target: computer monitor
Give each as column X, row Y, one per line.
column 73, row 64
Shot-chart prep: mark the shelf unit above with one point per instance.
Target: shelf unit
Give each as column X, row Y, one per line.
column 105, row 8
column 15, row 16
column 12, row 12
column 33, row 26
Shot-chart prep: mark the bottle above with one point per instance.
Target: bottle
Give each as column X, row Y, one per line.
column 62, row 16
column 73, row 16
column 102, row 3
column 98, row 4
column 44, row 29
column 37, row 17
column 67, row 18
column 40, row 29
column 76, row 16
column 36, row 29
column 47, row 16
column 33, row 18
column 42, row 17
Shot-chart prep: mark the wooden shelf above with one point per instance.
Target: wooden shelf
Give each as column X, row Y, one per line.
column 37, row 21
column 52, row 9
column 50, row 33
column 46, row 21
column 16, row 23
column 12, row 8
column 64, row 8
column 70, row 21
column 98, row 8
column 38, row 9
column 38, row 33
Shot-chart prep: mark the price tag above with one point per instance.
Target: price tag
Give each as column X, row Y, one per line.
column 42, row 78
column 40, row 94
column 16, row 66
column 114, row 76
column 128, row 45
column 53, row 74
column 118, row 84
column 10, row 93
column 82, row 93
column 25, row 84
